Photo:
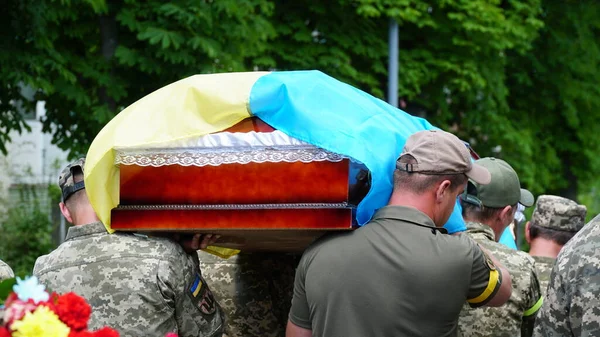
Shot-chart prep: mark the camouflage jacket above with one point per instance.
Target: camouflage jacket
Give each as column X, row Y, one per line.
column 572, row 304
column 515, row 318
column 254, row 290
column 138, row 285
column 5, row 271
column 543, row 266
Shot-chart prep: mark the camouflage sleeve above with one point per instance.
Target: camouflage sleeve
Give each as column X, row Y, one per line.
column 300, row 313
column 5, row 271
column 552, row 319
column 485, row 279
column 182, row 285
column 572, row 305
column 534, row 303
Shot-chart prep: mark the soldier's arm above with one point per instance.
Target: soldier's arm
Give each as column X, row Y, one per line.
column 535, row 301
column 491, row 283
column 196, row 311
column 293, row 330
column 299, row 324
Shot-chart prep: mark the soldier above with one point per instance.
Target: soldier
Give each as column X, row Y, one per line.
column 488, row 210
column 554, row 222
column 572, row 301
column 5, row 271
column 139, row 285
column 254, row 290
column 385, row 278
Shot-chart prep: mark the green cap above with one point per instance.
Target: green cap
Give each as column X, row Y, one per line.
column 504, row 189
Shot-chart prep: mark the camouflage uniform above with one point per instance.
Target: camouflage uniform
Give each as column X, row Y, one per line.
column 559, row 214
column 138, row 285
column 5, row 271
column 543, row 267
column 572, row 305
column 511, row 319
column 254, row 290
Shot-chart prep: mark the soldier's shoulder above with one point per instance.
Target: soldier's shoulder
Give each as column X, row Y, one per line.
column 5, row 271
column 147, row 245
column 513, row 259
column 587, row 240
column 524, row 258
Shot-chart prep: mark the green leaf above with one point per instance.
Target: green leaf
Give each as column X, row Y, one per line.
column 6, row 287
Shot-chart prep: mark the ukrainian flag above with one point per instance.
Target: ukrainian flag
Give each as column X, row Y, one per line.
column 307, row 105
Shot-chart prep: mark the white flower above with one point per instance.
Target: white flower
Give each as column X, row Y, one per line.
column 30, row 288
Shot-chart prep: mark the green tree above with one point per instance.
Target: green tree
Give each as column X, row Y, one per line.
column 508, row 73
column 554, row 91
column 26, row 232
column 90, row 59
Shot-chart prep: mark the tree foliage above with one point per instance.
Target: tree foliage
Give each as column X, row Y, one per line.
column 517, row 78
column 554, row 92
column 26, row 233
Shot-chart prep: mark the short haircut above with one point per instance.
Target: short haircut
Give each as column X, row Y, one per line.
column 74, row 201
column 483, row 213
column 558, row 236
column 419, row 182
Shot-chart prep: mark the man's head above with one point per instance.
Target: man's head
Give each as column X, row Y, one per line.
column 495, row 204
column 556, row 219
column 75, row 205
column 432, row 171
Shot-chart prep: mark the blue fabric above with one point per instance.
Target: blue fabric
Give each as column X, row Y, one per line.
column 507, row 239
column 456, row 223
column 320, row 110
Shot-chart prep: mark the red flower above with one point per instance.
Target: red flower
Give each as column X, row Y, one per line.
column 4, row 332
column 83, row 333
column 11, row 298
column 171, row 334
column 105, row 332
column 53, row 297
column 73, row 310
column 17, row 310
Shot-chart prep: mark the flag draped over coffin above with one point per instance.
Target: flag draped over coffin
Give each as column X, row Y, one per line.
column 307, row 105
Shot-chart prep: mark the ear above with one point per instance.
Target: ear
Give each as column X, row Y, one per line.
column 507, row 215
column 527, row 236
column 65, row 212
column 442, row 190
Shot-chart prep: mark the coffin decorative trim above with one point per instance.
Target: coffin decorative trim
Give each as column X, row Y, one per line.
column 225, row 155
column 238, row 206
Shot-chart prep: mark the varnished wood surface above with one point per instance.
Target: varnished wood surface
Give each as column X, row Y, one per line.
column 252, row 183
column 250, row 124
column 247, row 230
column 124, row 219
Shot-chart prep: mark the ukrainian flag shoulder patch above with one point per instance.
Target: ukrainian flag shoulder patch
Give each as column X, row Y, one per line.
column 196, row 286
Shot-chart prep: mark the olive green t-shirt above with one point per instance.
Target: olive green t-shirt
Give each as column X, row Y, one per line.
column 396, row 276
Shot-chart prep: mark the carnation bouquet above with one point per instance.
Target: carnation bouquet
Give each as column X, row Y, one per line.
column 28, row 310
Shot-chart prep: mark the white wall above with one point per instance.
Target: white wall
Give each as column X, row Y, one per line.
column 31, row 158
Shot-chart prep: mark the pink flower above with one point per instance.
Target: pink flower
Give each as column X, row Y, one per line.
column 171, row 334
column 17, row 310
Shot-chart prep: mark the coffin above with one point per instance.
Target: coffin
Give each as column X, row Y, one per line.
column 258, row 188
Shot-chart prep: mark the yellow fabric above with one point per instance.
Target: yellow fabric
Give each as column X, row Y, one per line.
column 535, row 308
column 489, row 290
column 192, row 107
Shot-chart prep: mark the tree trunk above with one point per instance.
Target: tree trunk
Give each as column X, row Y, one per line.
column 571, row 190
column 108, row 33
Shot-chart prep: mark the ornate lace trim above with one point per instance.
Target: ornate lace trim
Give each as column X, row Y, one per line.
column 219, row 156
column 236, row 206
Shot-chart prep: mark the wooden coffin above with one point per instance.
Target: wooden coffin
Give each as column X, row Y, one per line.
column 276, row 196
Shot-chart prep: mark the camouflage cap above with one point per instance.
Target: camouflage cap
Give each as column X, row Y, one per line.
column 558, row 213
column 66, row 181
